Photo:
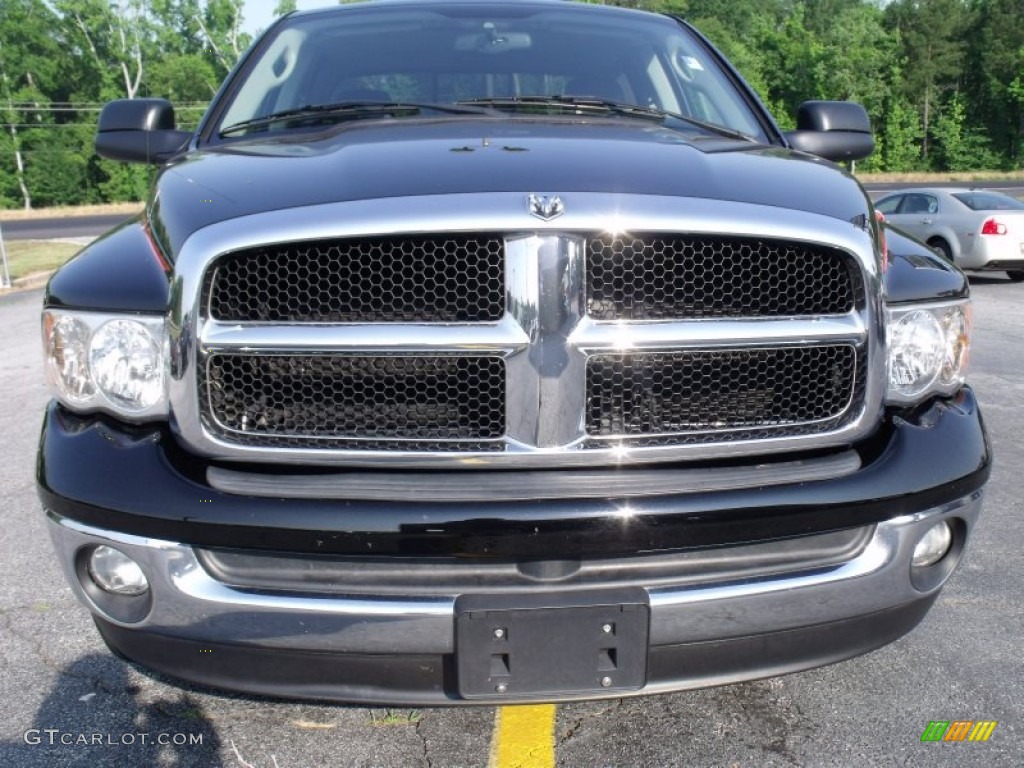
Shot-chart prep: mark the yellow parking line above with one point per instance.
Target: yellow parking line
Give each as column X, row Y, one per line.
column 524, row 737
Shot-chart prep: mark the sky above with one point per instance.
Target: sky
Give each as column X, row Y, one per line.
column 259, row 13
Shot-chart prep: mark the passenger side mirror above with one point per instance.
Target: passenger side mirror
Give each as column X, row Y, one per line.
column 834, row 130
column 140, row 131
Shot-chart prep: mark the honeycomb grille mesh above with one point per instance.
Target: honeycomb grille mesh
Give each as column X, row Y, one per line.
column 381, row 402
column 725, row 395
column 664, row 277
column 444, row 278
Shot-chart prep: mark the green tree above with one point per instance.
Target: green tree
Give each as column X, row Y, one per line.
column 221, row 24
column 110, row 40
column 795, row 59
column 961, row 146
column 182, row 78
column 57, row 175
column 993, row 88
column 900, row 135
column 210, row 29
column 30, row 71
column 859, row 54
column 660, row 6
column 931, row 35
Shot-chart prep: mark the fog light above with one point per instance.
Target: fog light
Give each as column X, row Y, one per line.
column 933, row 546
column 115, row 572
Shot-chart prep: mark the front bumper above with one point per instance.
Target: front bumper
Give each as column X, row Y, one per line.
column 135, row 490
column 401, row 651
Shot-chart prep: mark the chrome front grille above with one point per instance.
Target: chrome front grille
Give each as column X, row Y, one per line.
column 427, row 278
column 535, row 345
column 666, row 277
column 715, row 395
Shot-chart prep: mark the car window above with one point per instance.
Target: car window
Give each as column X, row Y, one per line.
column 888, row 205
column 989, row 201
column 462, row 53
column 917, row 203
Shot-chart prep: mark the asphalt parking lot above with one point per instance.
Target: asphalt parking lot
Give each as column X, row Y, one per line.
column 59, row 683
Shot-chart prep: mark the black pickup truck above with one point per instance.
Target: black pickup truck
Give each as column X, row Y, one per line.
column 502, row 352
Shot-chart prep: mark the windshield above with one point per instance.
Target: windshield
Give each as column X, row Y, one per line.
column 989, row 201
column 445, row 55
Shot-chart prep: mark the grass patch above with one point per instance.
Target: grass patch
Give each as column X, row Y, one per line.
column 110, row 209
column 396, row 717
column 929, row 178
column 27, row 256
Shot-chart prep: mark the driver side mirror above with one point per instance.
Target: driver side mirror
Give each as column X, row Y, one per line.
column 834, row 130
column 140, row 131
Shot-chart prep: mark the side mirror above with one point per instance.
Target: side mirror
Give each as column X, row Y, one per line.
column 834, row 130
column 139, row 131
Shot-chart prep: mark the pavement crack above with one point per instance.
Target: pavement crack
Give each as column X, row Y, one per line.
column 36, row 646
column 569, row 732
column 423, row 741
column 33, row 643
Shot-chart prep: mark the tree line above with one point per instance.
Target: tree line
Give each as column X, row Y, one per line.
column 943, row 80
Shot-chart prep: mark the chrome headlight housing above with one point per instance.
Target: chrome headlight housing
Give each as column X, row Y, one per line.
column 107, row 362
column 928, row 350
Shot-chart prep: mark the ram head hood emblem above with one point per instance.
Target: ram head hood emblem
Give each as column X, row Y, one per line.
column 546, row 207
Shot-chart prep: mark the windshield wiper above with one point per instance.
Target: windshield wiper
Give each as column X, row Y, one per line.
column 355, row 109
column 581, row 104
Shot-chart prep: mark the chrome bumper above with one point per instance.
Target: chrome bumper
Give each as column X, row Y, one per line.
column 189, row 604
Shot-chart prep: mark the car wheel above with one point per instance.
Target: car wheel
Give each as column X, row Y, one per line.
column 942, row 248
column 1016, row 275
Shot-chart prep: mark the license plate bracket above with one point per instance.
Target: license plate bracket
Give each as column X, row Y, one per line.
column 510, row 646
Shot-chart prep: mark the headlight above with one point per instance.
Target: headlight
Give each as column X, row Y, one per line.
column 111, row 363
column 67, row 358
column 928, row 350
column 127, row 364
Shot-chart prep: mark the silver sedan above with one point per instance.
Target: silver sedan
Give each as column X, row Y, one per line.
column 975, row 228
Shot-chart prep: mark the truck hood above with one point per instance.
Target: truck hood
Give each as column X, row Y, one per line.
column 382, row 159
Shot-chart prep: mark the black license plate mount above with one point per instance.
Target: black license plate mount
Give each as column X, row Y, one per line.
column 509, row 646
